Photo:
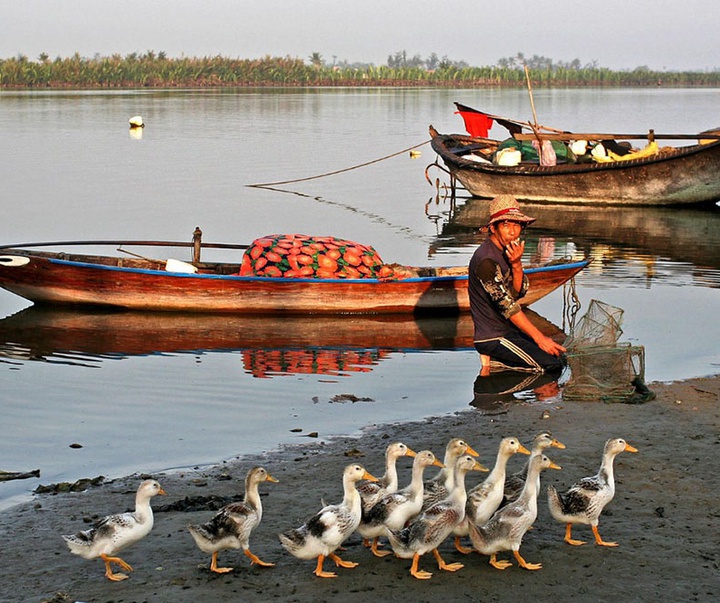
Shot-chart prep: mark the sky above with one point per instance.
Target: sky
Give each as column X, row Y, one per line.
column 617, row 34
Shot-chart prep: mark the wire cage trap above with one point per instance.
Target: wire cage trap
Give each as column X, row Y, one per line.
column 601, row 368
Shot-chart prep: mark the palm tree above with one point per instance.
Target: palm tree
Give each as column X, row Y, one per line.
column 316, row 60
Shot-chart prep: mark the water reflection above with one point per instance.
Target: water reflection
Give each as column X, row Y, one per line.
column 268, row 345
column 662, row 241
column 493, row 391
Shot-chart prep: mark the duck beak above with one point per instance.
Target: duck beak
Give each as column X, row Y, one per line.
column 523, row 450
column 439, row 463
column 558, row 444
column 270, row 478
column 162, row 492
column 410, row 453
column 369, row 477
column 629, row 448
column 554, row 466
column 478, row 467
column 471, row 451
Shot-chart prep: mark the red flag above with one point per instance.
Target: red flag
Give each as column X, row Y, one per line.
column 476, row 123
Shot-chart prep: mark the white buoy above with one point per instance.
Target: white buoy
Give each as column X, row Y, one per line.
column 136, row 122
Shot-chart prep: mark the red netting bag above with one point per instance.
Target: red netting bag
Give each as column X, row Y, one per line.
column 296, row 255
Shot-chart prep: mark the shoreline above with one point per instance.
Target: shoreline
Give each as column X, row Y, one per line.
column 664, row 515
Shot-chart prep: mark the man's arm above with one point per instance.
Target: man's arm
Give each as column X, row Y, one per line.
column 522, row 322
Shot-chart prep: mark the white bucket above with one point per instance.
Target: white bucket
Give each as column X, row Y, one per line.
column 177, row 266
column 508, row 157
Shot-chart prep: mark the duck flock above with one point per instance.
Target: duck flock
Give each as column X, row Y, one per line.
column 490, row 518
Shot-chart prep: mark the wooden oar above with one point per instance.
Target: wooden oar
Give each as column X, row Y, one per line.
column 121, row 243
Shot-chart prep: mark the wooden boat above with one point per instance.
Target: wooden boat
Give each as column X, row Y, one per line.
column 673, row 176
column 268, row 345
column 141, row 283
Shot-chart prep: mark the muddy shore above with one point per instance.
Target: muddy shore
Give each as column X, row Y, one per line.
column 665, row 516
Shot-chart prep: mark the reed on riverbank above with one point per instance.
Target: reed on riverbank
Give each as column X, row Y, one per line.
column 156, row 70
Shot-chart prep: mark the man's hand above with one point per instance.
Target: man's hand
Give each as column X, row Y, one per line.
column 514, row 251
column 545, row 343
column 550, row 346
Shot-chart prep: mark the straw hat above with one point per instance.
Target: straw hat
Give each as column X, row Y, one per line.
column 505, row 207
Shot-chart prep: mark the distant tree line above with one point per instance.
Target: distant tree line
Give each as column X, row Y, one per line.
column 153, row 69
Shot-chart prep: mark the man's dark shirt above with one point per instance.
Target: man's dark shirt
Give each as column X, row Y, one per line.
column 492, row 298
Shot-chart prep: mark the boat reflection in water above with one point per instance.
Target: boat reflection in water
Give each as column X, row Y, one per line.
column 269, row 346
column 651, row 235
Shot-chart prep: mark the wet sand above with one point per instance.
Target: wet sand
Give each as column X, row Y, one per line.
column 665, row 517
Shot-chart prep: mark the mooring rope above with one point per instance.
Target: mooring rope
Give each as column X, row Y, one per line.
column 354, row 167
column 571, row 307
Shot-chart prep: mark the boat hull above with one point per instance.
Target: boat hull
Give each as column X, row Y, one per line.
column 85, row 281
column 685, row 176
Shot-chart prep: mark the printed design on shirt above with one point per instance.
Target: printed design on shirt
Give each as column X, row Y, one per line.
column 499, row 289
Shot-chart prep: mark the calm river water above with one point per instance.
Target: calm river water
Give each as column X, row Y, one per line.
column 138, row 400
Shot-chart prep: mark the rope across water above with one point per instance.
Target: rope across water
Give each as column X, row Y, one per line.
column 354, row 167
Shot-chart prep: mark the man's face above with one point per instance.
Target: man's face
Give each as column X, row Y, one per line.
column 506, row 231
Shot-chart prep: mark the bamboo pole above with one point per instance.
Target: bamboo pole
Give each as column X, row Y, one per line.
column 532, row 101
column 606, row 136
column 535, row 126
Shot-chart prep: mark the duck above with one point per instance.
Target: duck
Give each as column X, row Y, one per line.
column 438, row 487
column 321, row 535
column 395, row 509
column 584, row 501
column 485, row 498
column 429, row 529
column 371, row 492
column 113, row 533
column 514, row 483
column 231, row 526
column 504, row 531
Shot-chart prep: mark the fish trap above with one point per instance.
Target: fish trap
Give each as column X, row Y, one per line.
column 601, row 325
column 606, row 373
column 601, row 368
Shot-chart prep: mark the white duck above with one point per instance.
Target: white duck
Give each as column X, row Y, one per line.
column 113, row 533
column 438, row 487
column 504, row 531
column 231, row 526
column 514, row 483
column 485, row 498
column 371, row 492
column 395, row 509
column 324, row 532
column 584, row 501
column 429, row 529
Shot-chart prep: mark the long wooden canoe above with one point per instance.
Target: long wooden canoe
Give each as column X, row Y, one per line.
column 674, row 176
column 140, row 283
